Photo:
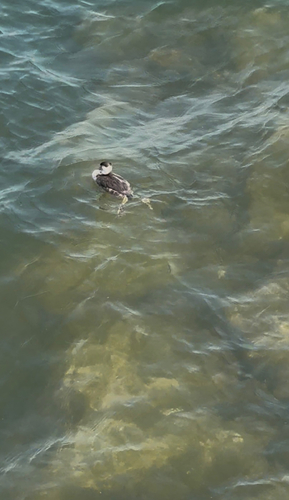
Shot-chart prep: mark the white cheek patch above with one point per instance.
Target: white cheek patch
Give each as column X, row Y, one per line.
column 106, row 170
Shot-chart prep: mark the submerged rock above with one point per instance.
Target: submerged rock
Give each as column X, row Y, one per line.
column 262, row 317
column 258, row 40
column 144, row 417
column 267, row 189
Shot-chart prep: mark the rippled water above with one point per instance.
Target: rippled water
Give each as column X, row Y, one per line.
column 144, row 356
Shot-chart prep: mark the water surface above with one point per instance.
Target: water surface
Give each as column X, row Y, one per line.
column 144, row 355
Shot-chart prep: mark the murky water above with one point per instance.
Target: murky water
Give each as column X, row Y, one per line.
column 144, row 356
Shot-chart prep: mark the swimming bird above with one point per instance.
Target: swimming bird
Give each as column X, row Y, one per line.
column 115, row 185
column 112, row 183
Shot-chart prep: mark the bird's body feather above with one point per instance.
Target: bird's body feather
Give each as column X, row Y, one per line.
column 114, row 184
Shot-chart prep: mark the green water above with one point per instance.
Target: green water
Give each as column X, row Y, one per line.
column 144, row 355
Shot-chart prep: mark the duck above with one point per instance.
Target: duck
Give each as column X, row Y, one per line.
column 111, row 182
